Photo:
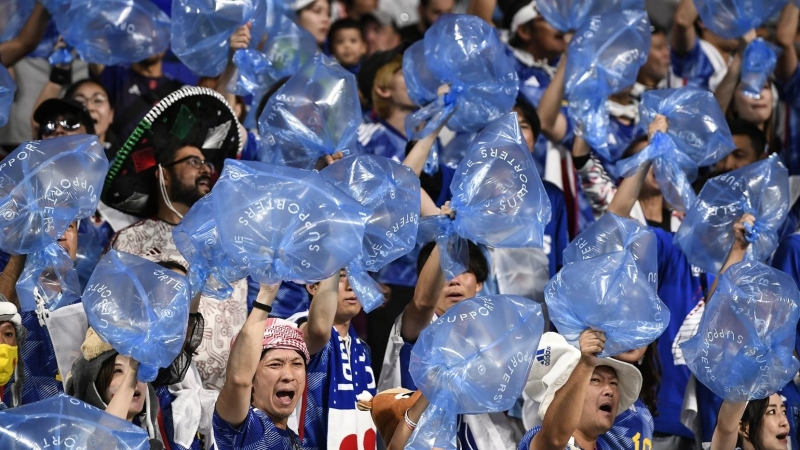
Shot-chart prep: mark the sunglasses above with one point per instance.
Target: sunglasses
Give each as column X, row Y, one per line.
column 50, row 127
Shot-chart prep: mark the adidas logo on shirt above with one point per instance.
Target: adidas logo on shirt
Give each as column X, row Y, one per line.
column 543, row 356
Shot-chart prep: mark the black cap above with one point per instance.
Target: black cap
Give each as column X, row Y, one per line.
column 54, row 107
column 370, row 67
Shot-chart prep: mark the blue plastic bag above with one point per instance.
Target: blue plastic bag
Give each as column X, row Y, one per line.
column 45, row 186
column 7, row 90
column 455, row 150
column 604, row 57
column 464, row 52
column 140, row 308
column 758, row 63
column 61, row 56
column 475, row 359
column 391, row 191
column 50, row 275
column 706, row 233
column 569, row 15
column 609, row 282
column 13, row 15
column 284, row 223
column 498, row 198
column 731, row 19
column 114, row 32
column 64, row 422
column 201, row 30
column 316, row 113
column 743, row 349
column 211, row 270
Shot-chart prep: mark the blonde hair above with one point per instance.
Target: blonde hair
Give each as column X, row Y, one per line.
column 383, row 80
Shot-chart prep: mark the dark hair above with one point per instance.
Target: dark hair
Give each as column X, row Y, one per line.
column 757, row 137
column 751, row 420
column 345, row 24
column 105, row 375
column 172, row 265
column 632, row 146
column 272, row 90
column 656, row 28
column 530, row 115
column 70, row 92
column 69, row 116
column 651, row 378
column 478, row 265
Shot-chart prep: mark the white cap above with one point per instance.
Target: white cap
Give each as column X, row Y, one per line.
column 8, row 312
column 297, row 5
column 524, row 15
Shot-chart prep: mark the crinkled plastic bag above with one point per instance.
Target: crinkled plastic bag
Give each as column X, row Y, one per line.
column 284, row 223
column 455, row 150
column 316, row 113
column 50, row 275
column 140, row 308
column 90, row 249
column 609, row 282
column 211, row 270
column 64, row 422
column 464, row 52
column 706, row 233
column 743, row 349
column 7, row 90
column 604, row 57
column 569, row 15
column 201, row 29
column 475, row 359
column 45, row 186
column 758, row 63
column 498, row 198
column 732, row 19
column 61, row 56
column 391, row 191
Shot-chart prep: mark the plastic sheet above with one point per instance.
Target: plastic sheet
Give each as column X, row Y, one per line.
column 758, row 63
column 743, row 349
column 732, row 19
column 140, row 308
column 498, row 198
column 464, row 52
column 211, row 270
column 7, row 90
column 45, row 186
column 475, row 359
column 66, row 422
column 569, row 15
column 391, row 191
column 609, row 282
column 201, row 30
column 114, row 32
column 604, row 57
column 51, row 275
column 706, row 233
column 316, row 113
column 284, row 223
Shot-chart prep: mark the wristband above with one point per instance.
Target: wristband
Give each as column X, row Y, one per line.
column 411, row 425
column 60, row 76
column 263, row 307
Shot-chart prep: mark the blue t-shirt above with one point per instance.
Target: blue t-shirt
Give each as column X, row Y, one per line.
column 789, row 109
column 42, row 379
column 256, row 433
column 556, row 236
column 695, row 68
column 525, row 443
column 632, row 430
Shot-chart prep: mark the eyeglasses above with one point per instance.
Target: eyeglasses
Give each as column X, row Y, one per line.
column 50, row 127
column 195, row 162
column 96, row 100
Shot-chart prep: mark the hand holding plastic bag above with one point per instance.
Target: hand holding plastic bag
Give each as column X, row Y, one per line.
column 211, row 270
column 316, row 113
column 731, row 19
column 464, row 52
column 609, row 282
column 201, row 29
column 758, row 63
column 140, row 308
column 569, row 15
column 66, row 422
column 7, row 90
column 743, row 349
column 475, row 359
column 604, row 57
column 284, row 223
column 114, row 32
column 706, row 233
column 391, row 191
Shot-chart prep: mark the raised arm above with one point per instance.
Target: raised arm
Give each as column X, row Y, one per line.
column 28, row 38
column 482, row 8
column 727, row 430
column 738, row 249
column 403, row 432
column 321, row 314
column 684, row 36
column 727, row 87
column 784, row 36
column 233, row 402
column 9, row 278
column 120, row 403
column 418, row 314
column 554, row 123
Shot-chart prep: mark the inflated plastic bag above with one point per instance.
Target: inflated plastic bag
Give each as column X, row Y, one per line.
column 284, row 223
column 115, row 32
column 464, row 52
column 64, row 422
column 50, row 275
column 758, row 63
column 609, row 282
column 732, row 19
column 604, row 57
column 140, row 308
column 475, row 359
column 743, row 349
column 7, row 90
column 498, row 198
column 391, row 191
column 569, row 15
column 706, row 233
column 698, row 135
column 316, row 113
column 45, row 186
column 211, row 270
column 201, row 29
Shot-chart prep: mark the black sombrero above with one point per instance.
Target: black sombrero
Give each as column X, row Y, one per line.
column 195, row 116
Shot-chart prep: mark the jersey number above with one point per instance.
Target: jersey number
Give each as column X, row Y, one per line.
column 646, row 445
